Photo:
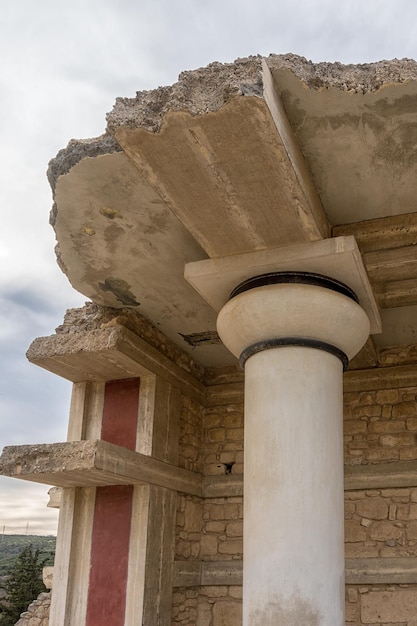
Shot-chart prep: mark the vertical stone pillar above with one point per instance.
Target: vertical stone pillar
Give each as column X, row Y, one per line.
column 294, row 333
column 114, row 560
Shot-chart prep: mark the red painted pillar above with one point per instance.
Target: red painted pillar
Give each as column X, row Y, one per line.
column 112, row 514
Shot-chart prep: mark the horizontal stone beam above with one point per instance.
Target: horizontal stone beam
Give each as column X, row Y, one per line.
column 94, row 463
column 379, row 571
column 388, row 248
column 223, row 486
column 357, row 572
column 357, row 477
column 376, row 378
column 196, row 573
column 384, row 233
column 108, row 354
column 97, row 463
column 381, row 476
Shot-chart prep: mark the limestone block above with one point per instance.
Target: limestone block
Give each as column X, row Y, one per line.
column 208, row 545
column 216, row 434
column 235, row 529
column 354, row 532
column 355, row 551
column 387, row 396
column 374, row 508
column 228, row 511
column 403, row 409
column 54, row 494
column 387, row 426
column 236, row 592
column 204, row 614
column 351, row 613
column 386, row 454
column 412, row 531
column 389, row 607
column 407, row 512
column 215, row 527
column 384, row 531
column 47, row 576
column 231, row 547
column 193, row 516
column 352, row 594
column 353, row 427
column 412, row 423
column 227, row 614
column 408, row 454
column 401, row 439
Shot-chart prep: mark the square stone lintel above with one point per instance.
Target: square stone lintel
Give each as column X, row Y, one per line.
column 338, row 258
column 94, row 463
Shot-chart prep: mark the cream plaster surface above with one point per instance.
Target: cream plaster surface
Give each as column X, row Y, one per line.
column 293, row 534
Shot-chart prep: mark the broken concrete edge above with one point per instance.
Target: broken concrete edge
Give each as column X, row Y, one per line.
column 95, row 329
column 76, row 151
column 92, row 318
column 93, row 463
column 207, row 89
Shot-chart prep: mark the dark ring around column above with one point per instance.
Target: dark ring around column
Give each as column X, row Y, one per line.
column 302, row 278
column 304, row 342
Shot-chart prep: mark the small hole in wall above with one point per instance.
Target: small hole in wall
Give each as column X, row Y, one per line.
column 227, row 467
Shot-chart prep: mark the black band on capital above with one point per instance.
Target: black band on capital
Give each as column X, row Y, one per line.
column 293, row 341
column 301, row 278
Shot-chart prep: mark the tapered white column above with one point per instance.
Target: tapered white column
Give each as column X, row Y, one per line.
column 294, row 332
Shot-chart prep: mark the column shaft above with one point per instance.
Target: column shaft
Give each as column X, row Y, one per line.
column 293, row 519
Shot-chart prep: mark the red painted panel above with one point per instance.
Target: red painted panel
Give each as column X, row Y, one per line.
column 120, row 413
column 109, row 556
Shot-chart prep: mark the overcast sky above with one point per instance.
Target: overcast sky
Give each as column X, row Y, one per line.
column 63, row 65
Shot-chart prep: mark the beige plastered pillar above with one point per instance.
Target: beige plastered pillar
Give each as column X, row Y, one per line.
column 293, row 333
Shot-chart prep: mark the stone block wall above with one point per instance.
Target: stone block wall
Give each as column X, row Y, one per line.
column 393, row 605
column 381, row 426
column 380, row 429
column 222, row 537
column 223, row 439
column 381, row 523
column 191, row 435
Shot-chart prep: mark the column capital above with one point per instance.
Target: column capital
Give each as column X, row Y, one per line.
column 293, row 309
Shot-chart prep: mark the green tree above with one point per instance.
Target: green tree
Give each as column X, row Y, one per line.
column 22, row 586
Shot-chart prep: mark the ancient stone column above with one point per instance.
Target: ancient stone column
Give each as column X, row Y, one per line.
column 294, row 333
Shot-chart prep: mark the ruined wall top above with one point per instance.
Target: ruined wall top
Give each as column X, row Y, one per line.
column 207, row 89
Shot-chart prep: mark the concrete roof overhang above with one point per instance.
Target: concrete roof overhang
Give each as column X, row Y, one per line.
column 238, row 158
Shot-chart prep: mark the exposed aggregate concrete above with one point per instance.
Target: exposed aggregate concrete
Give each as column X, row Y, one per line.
column 207, row 89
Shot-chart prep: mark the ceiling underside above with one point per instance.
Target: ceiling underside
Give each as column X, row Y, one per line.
column 235, row 158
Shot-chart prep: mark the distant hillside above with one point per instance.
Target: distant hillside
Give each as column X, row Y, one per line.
column 12, row 545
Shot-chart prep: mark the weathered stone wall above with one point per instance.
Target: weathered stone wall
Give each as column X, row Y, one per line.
column 208, row 606
column 381, row 426
column 188, row 528
column 381, row 523
column 222, row 538
column 191, row 435
column 223, row 439
column 210, row 529
column 393, row 605
column 37, row 613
